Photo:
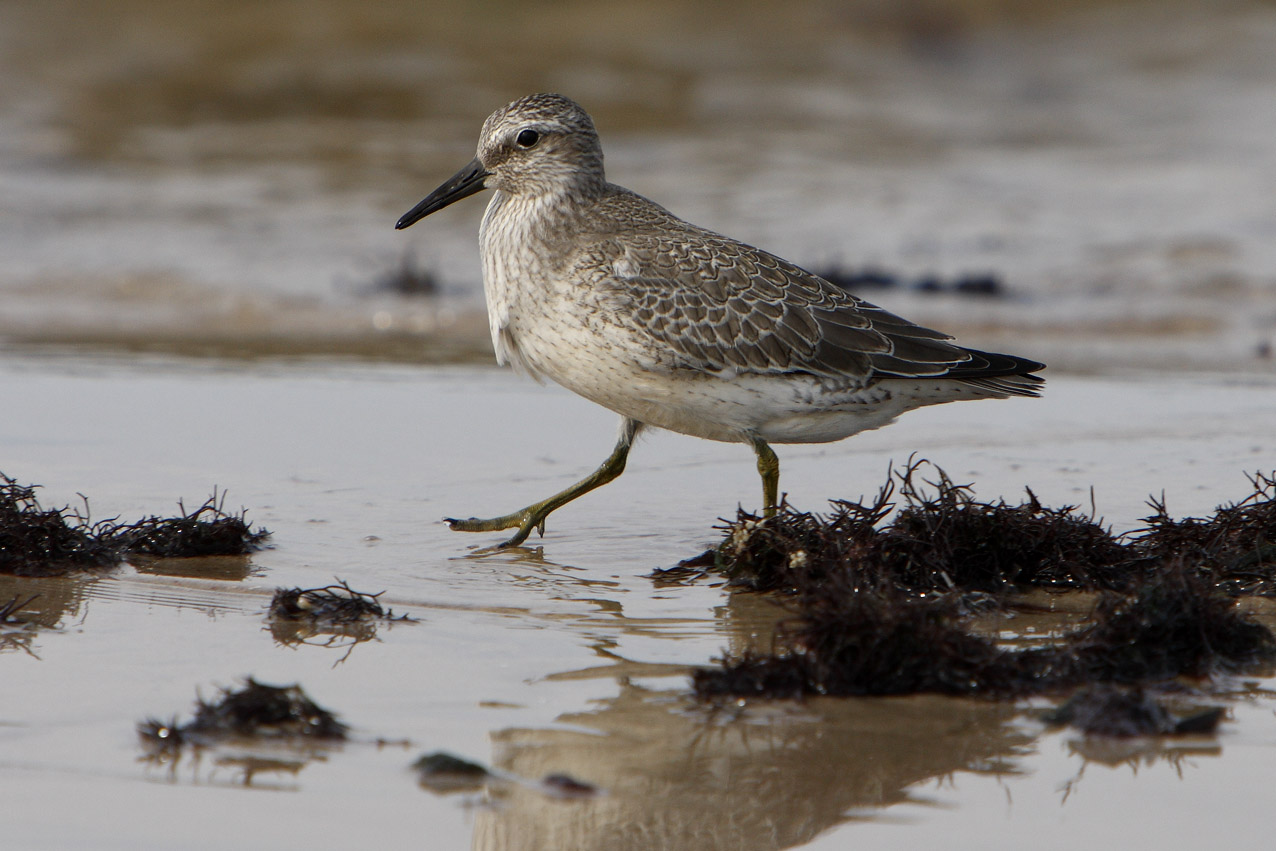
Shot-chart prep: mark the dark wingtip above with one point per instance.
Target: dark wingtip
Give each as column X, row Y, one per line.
column 1008, row 375
column 997, row 365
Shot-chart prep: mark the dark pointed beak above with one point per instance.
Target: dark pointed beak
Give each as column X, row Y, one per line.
column 463, row 184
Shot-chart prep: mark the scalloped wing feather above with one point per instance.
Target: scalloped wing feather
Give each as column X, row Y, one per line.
column 722, row 305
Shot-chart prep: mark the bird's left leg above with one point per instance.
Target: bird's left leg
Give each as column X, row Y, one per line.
column 533, row 516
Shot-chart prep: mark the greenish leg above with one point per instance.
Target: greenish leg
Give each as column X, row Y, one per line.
column 533, row 516
column 769, row 467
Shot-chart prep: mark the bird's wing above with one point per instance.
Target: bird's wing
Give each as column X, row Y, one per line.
column 719, row 304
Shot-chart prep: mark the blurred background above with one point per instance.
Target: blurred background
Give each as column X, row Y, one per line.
column 222, row 178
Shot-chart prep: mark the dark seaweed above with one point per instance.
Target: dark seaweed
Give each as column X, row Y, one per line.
column 942, row 538
column 939, row 540
column 255, row 711
column 35, row 541
column 880, row 596
column 1236, row 547
column 849, row 638
column 863, row 640
column 330, row 605
column 207, row 531
column 951, row 540
column 1175, row 624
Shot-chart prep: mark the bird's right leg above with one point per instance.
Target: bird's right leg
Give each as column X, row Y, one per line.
column 769, row 469
column 533, row 516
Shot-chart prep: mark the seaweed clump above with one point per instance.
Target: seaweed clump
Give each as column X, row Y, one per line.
column 880, row 598
column 952, row 540
column 1237, row 546
column 209, row 530
column 1175, row 624
column 863, row 640
column 35, row 541
column 852, row 641
column 942, row 538
column 796, row 548
column 345, row 616
column 331, row 605
column 937, row 541
column 257, row 710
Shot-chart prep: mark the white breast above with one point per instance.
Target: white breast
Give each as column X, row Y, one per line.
column 513, row 271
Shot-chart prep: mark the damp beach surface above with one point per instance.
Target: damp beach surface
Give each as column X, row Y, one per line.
column 563, row 658
column 201, row 292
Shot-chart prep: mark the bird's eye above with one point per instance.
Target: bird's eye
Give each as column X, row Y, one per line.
column 527, row 138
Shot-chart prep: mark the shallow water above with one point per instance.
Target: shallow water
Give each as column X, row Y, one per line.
column 562, row 658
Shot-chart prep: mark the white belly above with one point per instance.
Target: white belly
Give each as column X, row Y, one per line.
column 733, row 408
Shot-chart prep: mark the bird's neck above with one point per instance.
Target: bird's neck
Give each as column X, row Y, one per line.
column 536, row 217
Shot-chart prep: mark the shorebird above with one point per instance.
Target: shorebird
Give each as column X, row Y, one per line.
column 674, row 326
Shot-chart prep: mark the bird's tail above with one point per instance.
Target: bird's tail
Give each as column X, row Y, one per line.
column 1000, row 375
column 1008, row 385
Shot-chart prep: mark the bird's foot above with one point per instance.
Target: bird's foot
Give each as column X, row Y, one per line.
column 532, row 517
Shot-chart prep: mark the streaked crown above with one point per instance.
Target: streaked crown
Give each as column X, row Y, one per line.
column 541, row 144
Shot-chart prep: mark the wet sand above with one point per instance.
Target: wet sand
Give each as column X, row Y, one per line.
column 196, row 200
column 562, row 658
